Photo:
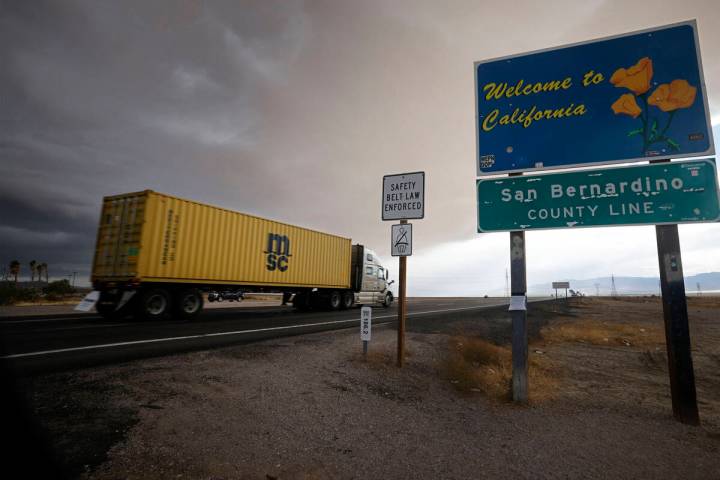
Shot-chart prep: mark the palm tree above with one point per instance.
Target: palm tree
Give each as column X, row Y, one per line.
column 15, row 269
column 45, row 269
column 33, row 266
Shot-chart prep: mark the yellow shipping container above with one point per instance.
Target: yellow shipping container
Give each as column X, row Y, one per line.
column 152, row 237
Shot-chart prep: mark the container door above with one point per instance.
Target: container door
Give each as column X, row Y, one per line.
column 119, row 236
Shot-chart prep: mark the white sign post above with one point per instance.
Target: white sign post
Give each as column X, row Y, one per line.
column 403, row 196
column 401, row 237
column 365, row 327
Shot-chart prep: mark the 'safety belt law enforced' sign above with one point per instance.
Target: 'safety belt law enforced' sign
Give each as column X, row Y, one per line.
column 403, row 196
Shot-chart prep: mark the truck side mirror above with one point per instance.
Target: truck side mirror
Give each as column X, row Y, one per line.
column 391, row 282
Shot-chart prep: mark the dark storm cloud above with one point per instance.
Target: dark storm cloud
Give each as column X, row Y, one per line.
column 101, row 97
column 291, row 111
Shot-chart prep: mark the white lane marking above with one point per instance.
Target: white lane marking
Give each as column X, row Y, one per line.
column 236, row 332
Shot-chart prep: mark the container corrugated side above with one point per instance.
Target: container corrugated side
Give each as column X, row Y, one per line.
column 185, row 241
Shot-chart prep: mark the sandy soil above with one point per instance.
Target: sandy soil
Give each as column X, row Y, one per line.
column 313, row 407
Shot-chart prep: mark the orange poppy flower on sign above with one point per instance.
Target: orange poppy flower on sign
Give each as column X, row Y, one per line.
column 627, row 105
column 678, row 94
column 636, row 78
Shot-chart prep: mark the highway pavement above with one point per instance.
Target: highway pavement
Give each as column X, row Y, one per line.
column 32, row 345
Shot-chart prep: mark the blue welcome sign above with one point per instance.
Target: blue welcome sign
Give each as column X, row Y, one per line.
column 639, row 96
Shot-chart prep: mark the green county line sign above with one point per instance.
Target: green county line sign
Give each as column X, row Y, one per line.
column 671, row 192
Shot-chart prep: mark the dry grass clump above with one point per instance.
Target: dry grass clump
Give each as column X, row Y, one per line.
column 597, row 332
column 476, row 365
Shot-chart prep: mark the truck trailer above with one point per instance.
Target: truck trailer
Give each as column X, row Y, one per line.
column 156, row 255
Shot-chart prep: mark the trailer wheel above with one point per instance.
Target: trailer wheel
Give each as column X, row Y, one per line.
column 335, row 300
column 187, row 304
column 153, row 304
column 348, row 299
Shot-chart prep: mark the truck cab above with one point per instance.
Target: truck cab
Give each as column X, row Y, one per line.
column 370, row 279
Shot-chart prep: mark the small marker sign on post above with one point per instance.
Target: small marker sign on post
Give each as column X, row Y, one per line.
column 365, row 327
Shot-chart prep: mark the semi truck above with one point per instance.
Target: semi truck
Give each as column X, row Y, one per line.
column 156, row 256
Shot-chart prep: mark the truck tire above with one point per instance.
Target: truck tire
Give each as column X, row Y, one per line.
column 348, row 299
column 187, row 303
column 334, row 301
column 153, row 304
column 387, row 301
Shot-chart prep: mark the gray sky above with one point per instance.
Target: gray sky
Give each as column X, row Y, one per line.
column 293, row 111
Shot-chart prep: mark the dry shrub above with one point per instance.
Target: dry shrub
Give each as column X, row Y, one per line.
column 475, row 365
column 596, row 332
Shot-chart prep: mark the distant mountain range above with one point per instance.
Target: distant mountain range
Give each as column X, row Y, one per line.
column 632, row 285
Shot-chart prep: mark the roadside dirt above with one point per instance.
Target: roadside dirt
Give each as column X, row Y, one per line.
column 313, row 407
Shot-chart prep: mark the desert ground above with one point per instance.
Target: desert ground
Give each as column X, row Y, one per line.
column 313, row 406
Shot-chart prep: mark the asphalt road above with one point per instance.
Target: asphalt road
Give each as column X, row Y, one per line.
column 38, row 345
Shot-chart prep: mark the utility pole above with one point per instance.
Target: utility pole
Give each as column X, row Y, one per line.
column 613, row 290
column 597, row 289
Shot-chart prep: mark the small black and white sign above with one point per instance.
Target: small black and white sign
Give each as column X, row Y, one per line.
column 365, row 323
column 403, row 196
column 401, row 235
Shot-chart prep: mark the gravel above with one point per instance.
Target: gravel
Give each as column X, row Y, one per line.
column 313, row 407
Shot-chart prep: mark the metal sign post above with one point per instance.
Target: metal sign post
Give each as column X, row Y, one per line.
column 677, row 331
column 365, row 327
column 518, row 313
column 403, row 199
